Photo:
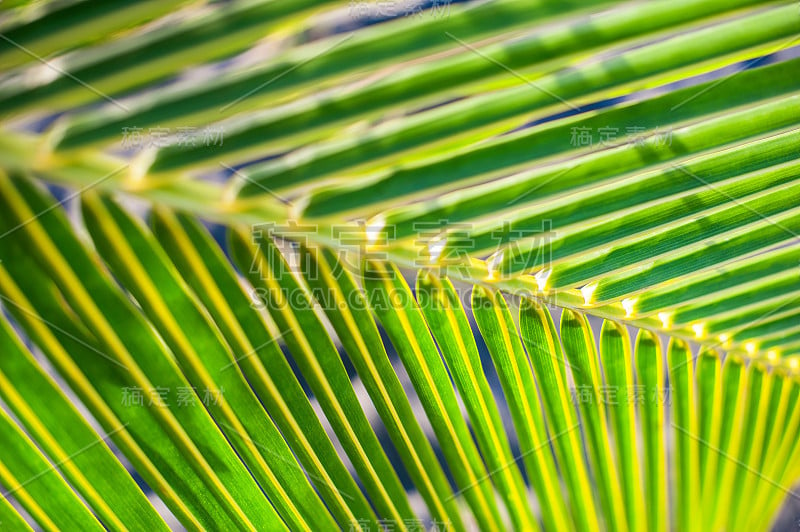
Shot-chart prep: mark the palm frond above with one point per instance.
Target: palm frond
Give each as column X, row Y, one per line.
column 605, row 164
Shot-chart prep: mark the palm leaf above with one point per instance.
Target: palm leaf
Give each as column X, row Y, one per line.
column 210, row 325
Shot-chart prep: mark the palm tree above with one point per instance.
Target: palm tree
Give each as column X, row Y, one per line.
column 294, row 264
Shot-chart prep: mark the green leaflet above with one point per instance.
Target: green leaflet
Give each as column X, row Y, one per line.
column 98, row 383
column 756, row 236
column 135, row 60
column 391, row 300
column 72, row 24
column 688, row 507
column 304, row 117
column 649, row 361
column 779, row 391
column 781, row 441
column 484, row 110
column 790, row 449
column 579, row 346
column 584, row 204
column 403, row 40
column 544, row 349
column 10, row 517
column 704, row 285
column 477, row 179
column 755, row 414
column 345, row 305
column 709, row 411
column 513, row 367
column 324, row 62
column 138, row 263
column 769, row 325
column 615, row 355
column 744, row 319
column 292, row 309
column 735, row 306
column 725, row 207
column 734, row 397
column 120, row 330
column 37, row 485
column 445, row 316
column 82, row 456
column 257, row 353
